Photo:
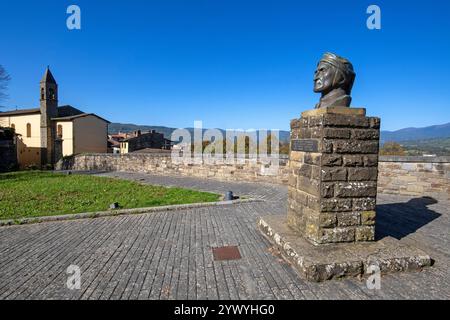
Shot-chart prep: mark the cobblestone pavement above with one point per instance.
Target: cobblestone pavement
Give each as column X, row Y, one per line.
column 168, row 255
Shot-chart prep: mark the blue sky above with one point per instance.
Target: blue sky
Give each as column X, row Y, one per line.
column 233, row 64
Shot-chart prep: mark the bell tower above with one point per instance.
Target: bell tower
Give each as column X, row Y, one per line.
column 49, row 110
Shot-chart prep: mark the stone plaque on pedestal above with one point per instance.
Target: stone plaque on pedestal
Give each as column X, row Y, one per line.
column 333, row 187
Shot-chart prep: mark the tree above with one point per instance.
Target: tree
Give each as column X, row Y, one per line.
column 392, row 149
column 283, row 147
column 4, row 81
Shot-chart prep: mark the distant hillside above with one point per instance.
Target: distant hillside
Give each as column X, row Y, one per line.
column 433, row 132
column 120, row 127
column 439, row 147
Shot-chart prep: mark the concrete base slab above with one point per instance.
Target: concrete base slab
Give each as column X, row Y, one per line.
column 334, row 261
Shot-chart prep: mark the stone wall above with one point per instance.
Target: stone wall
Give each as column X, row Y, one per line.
column 415, row 176
column 162, row 164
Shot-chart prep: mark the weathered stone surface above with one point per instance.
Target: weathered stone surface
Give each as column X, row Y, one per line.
column 308, row 185
column 362, row 174
column 315, row 121
column 368, row 218
column 316, row 173
column 328, row 220
column 370, row 160
column 299, row 123
column 326, row 146
column 336, row 205
column 340, row 260
column 338, row 120
column 300, row 197
column 304, row 133
column 364, row 204
column 314, row 203
column 334, row 174
column 316, row 133
column 313, row 158
column 336, row 133
column 327, row 190
column 304, row 170
column 292, row 181
column 365, row 134
column 337, row 235
column 331, row 160
column 334, row 110
column 355, row 146
column 312, row 227
column 356, row 189
column 353, row 161
column 365, row 234
column 348, row 219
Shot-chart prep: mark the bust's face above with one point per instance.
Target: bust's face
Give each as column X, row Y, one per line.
column 323, row 78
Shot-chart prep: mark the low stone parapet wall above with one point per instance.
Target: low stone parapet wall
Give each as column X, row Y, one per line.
column 162, row 164
column 413, row 176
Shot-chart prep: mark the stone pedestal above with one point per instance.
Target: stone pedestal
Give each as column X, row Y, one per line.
column 329, row 232
column 333, row 182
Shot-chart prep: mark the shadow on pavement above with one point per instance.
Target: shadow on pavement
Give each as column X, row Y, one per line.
column 398, row 220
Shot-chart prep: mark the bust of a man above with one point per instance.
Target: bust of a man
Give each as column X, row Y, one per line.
column 334, row 79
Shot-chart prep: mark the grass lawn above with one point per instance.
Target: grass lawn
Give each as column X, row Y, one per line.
column 34, row 193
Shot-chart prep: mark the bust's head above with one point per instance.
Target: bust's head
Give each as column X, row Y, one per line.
column 334, row 73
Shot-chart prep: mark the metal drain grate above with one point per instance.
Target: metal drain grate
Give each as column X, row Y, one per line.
column 226, row 253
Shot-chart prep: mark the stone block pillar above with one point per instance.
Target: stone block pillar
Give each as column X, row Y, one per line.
column 333, row 175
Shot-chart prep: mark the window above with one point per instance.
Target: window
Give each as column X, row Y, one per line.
column 60, row 131
column 28, row 130
column 42, row 94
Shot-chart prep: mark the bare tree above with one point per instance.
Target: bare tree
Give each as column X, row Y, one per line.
column 4, row 81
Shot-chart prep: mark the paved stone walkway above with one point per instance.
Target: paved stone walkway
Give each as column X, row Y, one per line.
column 168, row 255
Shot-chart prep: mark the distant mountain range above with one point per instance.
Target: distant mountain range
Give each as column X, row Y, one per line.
column 439, row 147
column 408, row 134
column 412, row 134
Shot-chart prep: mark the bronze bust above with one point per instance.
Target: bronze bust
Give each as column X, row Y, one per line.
column 334, row 78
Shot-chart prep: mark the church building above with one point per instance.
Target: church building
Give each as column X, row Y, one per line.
column 47, row 133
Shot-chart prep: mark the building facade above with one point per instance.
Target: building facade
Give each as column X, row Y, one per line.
column 138, row 141
column 47, row 133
